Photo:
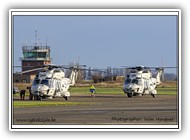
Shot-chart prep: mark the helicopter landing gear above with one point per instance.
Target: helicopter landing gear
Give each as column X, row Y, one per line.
column 154, row 95
column 38, row 98
column 66, row 98
column 130, row 95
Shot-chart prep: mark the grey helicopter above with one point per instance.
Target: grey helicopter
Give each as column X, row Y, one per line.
column 140, row 81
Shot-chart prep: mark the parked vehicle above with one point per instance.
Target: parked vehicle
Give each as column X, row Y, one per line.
column 16, row 90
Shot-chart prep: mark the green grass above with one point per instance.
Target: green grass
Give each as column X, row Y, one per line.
column 117, row 90
column 47, row 103
column 99, row 90
column 167, row 91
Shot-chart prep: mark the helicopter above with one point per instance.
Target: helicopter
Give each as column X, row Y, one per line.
column 140, row 81
column 50, row 82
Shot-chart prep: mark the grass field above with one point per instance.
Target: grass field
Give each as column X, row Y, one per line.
column 47, row 103
column 117, row 90
column 99, row 90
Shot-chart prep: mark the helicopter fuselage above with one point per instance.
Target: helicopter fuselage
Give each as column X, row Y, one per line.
column 51, row 83
column 50, row 88
column 140, row 87
column 140, row 83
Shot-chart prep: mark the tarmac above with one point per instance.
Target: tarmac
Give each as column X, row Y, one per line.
column 103, row 110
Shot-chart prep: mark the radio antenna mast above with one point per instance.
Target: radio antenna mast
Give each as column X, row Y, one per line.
column 36, row 37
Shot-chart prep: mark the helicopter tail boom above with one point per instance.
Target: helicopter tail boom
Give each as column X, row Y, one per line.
column 73, row 77
column 158, row 76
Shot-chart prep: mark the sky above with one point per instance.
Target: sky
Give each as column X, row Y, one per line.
column 101, row 41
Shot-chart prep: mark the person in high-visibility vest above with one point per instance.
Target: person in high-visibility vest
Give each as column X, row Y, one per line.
column 92, row 90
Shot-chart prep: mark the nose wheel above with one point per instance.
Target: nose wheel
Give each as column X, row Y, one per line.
column 154, row 95
column 130, row 95
column 38, row 98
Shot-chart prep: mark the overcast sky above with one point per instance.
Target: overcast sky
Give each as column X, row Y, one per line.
column 101, row 41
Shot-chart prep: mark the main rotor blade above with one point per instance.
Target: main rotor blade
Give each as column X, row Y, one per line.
column 24, row 66
column 27, row 71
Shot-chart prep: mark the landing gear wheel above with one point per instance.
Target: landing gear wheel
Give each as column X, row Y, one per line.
column 30, row 97
column 130, row 95
column 40, row 98
column 66, row 98
column 35, row 97
column 154, row 95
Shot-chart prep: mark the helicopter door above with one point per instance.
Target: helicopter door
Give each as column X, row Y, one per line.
column 141, row 87
column 63, row 86
column 55, row 86
column 58, row 86
column 145, row 84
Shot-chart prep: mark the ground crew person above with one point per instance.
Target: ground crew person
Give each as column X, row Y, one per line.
column 22, row 94
column 92, row 90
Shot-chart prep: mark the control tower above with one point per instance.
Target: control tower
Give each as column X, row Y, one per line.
column 35, row 56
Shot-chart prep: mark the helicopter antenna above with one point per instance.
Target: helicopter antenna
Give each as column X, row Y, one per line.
column 36, row 35
column 46, row 40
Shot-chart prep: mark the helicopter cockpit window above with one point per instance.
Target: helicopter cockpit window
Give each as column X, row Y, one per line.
column 127, row 81
column 57, row 71
column 36, row 82
column 133, row 71
column 145, row 71
column 135, row 81
column 46, row 82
